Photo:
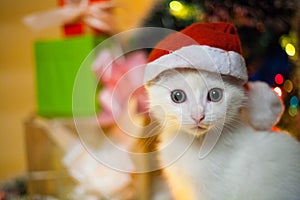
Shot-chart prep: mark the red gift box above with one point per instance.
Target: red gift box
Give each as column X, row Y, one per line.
column 76, row 28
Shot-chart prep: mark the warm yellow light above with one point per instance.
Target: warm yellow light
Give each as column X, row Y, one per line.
column 179, row 10
column 290, row 49
column 284, row 40
column 288, row 86
column 175, row 6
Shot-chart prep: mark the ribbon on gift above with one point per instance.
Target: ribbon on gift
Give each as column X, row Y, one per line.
column 95, row 15
column 110, row 70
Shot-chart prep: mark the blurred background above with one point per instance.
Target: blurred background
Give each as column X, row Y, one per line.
column 17, row 72
column 269, row 30
column 17, row 81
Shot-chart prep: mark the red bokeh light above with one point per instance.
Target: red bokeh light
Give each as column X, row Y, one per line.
column 278, row 79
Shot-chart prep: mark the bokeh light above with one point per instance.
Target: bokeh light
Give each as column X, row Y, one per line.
column 180, row 10
column 293, row 111
column 290, row 49
column 279, row 79
column 176, row 6
column 284, row 40
column 288, row 86
column 294, row 102
column 278, row 91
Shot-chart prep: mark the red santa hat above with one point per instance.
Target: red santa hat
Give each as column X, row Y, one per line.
column 214, row 47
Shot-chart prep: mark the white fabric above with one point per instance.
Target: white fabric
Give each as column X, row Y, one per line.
column 200, row 57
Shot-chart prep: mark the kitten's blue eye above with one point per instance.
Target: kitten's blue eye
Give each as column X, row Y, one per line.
column 215, row 95
column 178, row 96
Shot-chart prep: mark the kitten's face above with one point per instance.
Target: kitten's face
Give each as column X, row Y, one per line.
column 194, row 101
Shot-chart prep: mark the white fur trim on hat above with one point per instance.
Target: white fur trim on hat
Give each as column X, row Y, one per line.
column 200, row 57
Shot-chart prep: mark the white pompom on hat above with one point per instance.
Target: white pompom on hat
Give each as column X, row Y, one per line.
column 264, row 107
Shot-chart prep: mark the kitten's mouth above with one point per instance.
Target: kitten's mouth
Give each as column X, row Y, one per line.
column 200, row 127
column 197, row 129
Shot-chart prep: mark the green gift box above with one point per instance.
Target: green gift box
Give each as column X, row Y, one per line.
column 57, row 65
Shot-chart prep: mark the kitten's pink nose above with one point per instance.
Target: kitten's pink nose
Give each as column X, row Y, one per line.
column 198, row 119
column 197, row 114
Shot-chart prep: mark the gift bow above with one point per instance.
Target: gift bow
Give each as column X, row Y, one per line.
column 109, row 71
column 93, row 14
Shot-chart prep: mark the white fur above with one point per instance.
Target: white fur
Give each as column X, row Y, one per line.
column 244, row 164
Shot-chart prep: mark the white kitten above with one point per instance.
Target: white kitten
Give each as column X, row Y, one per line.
column 243, row 164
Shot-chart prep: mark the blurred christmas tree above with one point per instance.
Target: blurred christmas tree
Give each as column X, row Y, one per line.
column 269, row 31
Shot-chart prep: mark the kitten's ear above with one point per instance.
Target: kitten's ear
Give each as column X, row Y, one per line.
column 232, row 80
column 264, row 107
